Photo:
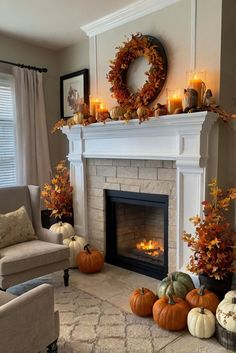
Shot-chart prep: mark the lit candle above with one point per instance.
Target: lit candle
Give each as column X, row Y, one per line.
column 92, row 106
column 174, row 102
column 102, row 108
column 196, row 81
column 197, row 84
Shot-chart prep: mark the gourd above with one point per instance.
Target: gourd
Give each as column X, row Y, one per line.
column 171, row 313
column 202, row 298
column 201, row 323
column 65, row 229
column 90, row 261
column 141, row 301
column 76, row 244
column 117, row 112
column 226, row 311
column 177, row 283
column 143, row 112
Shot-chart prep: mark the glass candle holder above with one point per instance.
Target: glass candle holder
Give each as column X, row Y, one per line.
column 196, row 80
column 174, row 100
column 94, row 104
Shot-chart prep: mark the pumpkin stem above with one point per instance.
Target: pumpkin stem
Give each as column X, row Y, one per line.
column 60, row 223
column 86, row 247
column 170, row 299
column 73, row 238
column 234, row 300
column 142, row 291
column 202, row 311
column 201, row 290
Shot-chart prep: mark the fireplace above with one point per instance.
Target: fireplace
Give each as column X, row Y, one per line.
column 173, row 155
column 137, row 232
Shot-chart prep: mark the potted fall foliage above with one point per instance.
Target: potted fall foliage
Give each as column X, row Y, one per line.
column 213, row 243
column 57, row 195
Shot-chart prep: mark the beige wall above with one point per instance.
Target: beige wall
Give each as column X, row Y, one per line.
column 72, row 59
column 227, row 143
column 20, row 52
column 215, row 52
column 208, row 42
column 170, row 27
column 227, row 147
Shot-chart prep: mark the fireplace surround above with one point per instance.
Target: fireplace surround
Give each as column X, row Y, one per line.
column 188, row 142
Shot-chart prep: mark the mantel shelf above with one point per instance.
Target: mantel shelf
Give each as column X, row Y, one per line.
column 178, row 137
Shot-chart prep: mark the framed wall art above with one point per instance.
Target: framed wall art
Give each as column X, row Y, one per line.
column 74, row 89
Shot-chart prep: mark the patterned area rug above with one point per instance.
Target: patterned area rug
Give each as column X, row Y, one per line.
column 92, row 325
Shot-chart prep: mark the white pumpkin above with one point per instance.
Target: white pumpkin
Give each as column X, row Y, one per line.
column 201, row 323
column 226, row 311
column 76, row 244
column 65, row 229
column 117, row 112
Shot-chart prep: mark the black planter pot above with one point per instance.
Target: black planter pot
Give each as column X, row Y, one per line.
column 219, row 286
column 48, row 221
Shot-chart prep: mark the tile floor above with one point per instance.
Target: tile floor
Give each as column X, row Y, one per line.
column 115, row 284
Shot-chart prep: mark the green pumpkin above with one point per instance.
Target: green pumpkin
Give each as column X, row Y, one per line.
column 177, row 284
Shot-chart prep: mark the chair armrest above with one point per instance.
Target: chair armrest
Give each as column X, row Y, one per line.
column 28, row 322
column 49, row 236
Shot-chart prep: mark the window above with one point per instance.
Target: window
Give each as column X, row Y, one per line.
column 7, row 131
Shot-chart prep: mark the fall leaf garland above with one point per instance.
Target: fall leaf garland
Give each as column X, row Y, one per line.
column 138, row 46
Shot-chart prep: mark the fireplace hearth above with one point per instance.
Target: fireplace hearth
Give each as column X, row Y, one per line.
column 137, row 232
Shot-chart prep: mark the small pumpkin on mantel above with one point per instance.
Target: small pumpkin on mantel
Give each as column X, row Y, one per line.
column 141, row 301
column 63, row 228
column 90, row 260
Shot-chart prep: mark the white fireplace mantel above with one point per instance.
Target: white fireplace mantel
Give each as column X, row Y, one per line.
column 188, row 139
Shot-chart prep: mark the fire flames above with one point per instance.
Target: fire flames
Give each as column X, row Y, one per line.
column 150, row 247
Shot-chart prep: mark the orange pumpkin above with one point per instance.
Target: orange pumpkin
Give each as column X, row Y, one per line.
column 202, row 298
column 170, row 313
column 141, row 301
column 90, row 261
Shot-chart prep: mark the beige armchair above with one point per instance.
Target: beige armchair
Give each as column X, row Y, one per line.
column 28, row 323
column 30, row 259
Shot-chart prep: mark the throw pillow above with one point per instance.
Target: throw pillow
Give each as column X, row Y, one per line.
column 15, row 227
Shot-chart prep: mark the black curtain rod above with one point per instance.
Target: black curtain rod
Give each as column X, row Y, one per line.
column 40, row 69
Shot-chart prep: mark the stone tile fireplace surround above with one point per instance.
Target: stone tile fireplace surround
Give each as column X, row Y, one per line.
column 174, row 155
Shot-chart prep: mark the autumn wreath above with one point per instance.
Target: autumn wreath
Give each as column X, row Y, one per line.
column 138, row 46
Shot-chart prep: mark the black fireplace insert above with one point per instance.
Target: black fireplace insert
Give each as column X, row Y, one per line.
column 137, row 232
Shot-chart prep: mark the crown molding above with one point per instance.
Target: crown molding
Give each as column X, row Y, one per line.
column 126, row 14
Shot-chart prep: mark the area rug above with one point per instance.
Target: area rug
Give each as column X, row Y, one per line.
column 89, row 324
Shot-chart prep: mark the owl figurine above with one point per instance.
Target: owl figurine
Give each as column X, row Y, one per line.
column 189, row 99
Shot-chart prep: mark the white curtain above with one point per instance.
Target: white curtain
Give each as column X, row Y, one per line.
column 33, row 162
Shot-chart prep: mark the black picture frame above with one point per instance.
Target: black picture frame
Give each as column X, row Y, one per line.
column 77, row 83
